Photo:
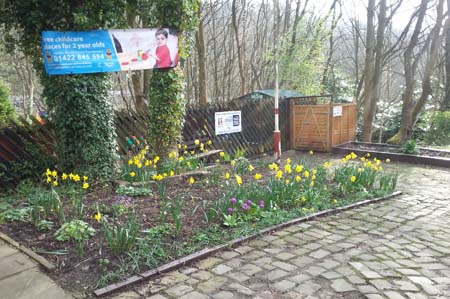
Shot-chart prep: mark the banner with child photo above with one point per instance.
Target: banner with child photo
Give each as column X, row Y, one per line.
column 78, row 52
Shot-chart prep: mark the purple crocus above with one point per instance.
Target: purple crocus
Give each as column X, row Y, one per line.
column 261, row 204
column 233, row 200
column 248, row 202
column 230, row 211
column 245, row 206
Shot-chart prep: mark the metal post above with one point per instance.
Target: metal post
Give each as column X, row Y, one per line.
column 276, row 132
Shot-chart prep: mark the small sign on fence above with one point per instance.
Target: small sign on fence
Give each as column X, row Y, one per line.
column 337, row 111
column 228, row 122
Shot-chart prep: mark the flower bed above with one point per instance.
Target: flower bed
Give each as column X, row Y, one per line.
column 100, row 232
column 425, row 156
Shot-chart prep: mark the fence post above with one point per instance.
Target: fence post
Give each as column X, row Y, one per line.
column 330, row 126
column 291, row 124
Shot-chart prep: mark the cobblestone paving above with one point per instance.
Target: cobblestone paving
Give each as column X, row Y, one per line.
column 396, row 249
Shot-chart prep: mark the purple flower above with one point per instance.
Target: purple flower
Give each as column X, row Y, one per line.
column 248, row 202
column 261, row 204
column 230, row 211
column 245, row 206
column 233, row 200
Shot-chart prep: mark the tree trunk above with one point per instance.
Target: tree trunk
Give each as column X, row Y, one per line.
column 371, row 105
column 202, row 74
column 238, row 46
column 368, row 69
column 445, row 106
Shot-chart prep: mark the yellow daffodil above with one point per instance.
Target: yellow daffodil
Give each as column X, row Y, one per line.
column 311, row 152
column 288, row 181
column 304, row 198
column 279, row 174
column 288, row 168
column 181, row 159
column 172, row 173
column 222, row 154
column 191, row 180
column 273, row 166
column 288, row 161
column 85, row 185
column 353, row 155
column 335, row 201
column 227, row 175
column 64, row 176
column 98, row 216
column 85, row 178
column 132, row 174
column 159, row 177
column 258, row 176
column 197, row 142
column 251, row 168
column 238, row 179
column 148, row 163
column 76, row 178
column 55, row 183
column 368, row 154
column 192, row 152
column 353, row 178
column 306, row 174
column 311, row 184
column 298, row 178
column 130, row 162
column 326, row 164
column 233, row 162
column 299, row 168
column 217, row 161
column 179, row 146
column 388, row 160
column 54, row 174
column 49, row 180
column 314, row 171
column 139, row 165
column 48, row 172
column 188, row 164
column 313, row 177
column 209, row 142
column 185, row 146
column 165, row 174
column 360, row 170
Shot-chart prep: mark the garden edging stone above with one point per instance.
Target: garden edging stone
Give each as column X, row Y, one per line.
column 39, row 259
column 210, row 251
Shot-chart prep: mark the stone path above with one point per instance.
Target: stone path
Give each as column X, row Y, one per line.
column 21, row 278
column 395, row 249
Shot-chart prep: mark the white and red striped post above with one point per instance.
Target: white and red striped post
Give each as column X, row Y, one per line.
column 276, row 132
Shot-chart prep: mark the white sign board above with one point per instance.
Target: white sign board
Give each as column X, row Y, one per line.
column 337, row 111
column 228, row 122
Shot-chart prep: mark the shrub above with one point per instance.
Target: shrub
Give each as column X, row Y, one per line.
column 410, row 147
column 439, row 132
column 7, row 111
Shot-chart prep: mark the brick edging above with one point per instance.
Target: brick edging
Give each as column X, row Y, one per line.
column 176, row 264
column 39, row 259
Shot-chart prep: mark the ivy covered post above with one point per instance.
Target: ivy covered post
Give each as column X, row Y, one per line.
column 166, row 92
column 79, row 105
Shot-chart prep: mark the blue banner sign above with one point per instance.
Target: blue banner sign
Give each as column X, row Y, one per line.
column 80, row 52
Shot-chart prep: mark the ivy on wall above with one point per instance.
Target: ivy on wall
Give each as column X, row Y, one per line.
column 79, row 107
column 167, row 103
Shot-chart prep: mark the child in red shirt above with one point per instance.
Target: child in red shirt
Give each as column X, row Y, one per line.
column 162, row 53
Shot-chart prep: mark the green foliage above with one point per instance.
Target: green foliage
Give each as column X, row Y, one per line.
column 167, row 108
column 79, row 106
column 410, row 147
column 76, row 230
column 439, row 131
column 82, row 115
column 7, row 111
column 44, row 204
column 27, row 167
column 121, row 238
column 133, row 191
column 301, row 67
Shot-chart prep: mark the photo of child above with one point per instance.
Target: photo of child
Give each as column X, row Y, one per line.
column 146, row 48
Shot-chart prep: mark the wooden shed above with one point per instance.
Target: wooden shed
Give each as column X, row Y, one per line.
column 320, row 126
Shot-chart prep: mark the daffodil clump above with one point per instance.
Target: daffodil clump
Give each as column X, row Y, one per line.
column 146, row 166
column 54, row 178
column 359, row 174
column 251, row 193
